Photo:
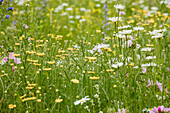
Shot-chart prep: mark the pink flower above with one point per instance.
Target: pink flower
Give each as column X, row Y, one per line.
column 137, row 46
column 166, row 91
column 26, row 27
column 131, row 38
column 13, row 69
column 5, row 59
column 159, row 86
column 11, row 55
column 121, row 110
column 138, row 56
column 122, row 13
column 143, row 70
column 130, row 43
column 17, row 60
column 150, row 83
column 167, row 109
column 160, row 109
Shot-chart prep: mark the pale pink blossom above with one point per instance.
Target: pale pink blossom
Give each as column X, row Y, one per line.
column 143, row 70
column 150, row 83
column 159, row 86
column 130, row 43
column 17, row 60
column 11, row 55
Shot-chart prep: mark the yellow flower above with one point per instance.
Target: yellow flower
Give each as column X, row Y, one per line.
column 15, row 12
column 38, row 100
column 17, row 44
column 110, row 70
column 40, row 54
column 36, row 64
column 58, row 55
column 75, row 81
column 11, row 106
column 98, row 31
column 94, row 78
column 51, row 62
column 16, row 55
column 58, row 100
column 70, row 49
column 56, row 90
column 27, row 99
column 61, row 51
column 149, row 45
column 29, row 88
column 23, row 96
column 91, row 72
column 38, row 91
column 32, row 85
column 47, row 69
column 132, row 64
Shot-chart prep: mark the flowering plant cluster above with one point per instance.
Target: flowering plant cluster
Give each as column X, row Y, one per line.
column 4, row 10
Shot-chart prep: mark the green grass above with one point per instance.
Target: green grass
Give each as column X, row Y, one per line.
column 52, row 72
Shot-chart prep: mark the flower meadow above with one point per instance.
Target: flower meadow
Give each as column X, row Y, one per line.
column 80, row 56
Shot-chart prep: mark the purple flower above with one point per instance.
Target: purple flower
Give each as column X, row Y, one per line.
column 10, row 9
column 7, row 16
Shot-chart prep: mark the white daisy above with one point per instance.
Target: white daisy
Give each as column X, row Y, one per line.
column 115, row 19
column 125, row 32
column 119, row 6
column 81, row 101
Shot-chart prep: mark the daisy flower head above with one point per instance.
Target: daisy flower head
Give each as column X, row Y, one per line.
column 81, row 101
column 125, row 32
column 119, row 6
column 115, row 19
column 138, row 28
